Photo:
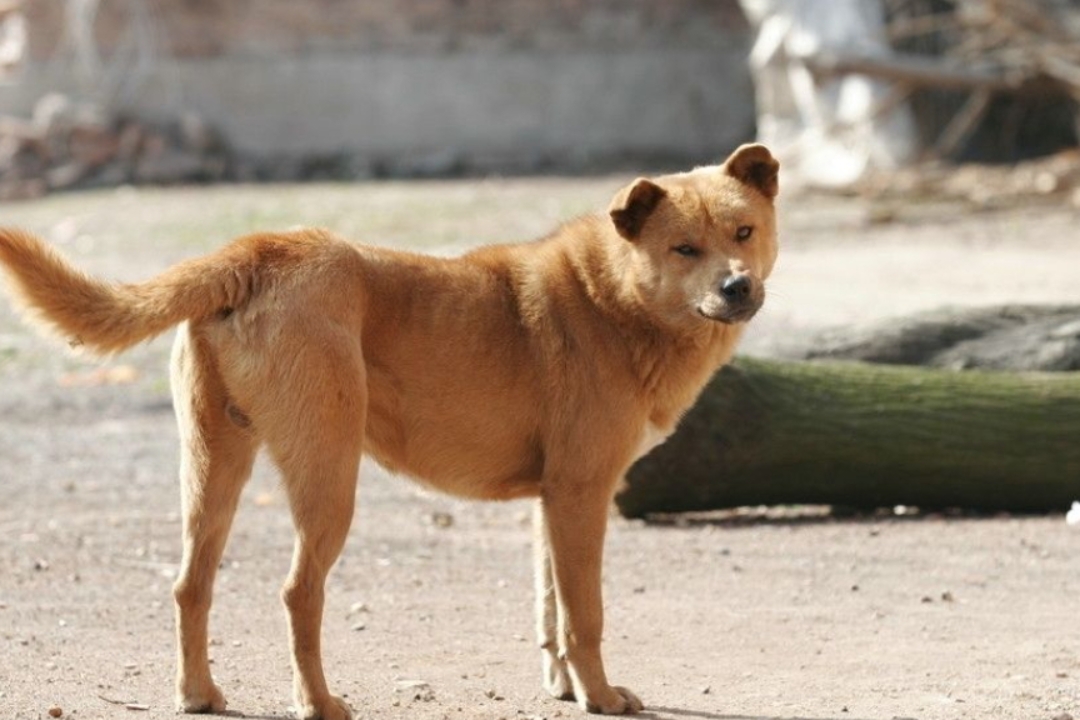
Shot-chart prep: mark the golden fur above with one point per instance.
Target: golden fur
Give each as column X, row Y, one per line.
column 541, row 369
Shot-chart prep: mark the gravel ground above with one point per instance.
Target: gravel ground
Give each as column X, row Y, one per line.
column 738, row 615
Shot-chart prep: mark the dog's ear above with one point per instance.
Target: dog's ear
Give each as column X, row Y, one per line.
column 633, row 205
column 755, row 166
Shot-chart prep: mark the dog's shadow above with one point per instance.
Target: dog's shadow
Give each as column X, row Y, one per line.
column 651, row 713
column 669, row 713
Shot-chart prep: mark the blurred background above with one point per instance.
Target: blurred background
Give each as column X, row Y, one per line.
column 103, row 92
column 275, row 89
column 929, row 215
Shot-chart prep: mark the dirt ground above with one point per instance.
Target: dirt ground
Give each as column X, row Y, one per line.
column 741, row 616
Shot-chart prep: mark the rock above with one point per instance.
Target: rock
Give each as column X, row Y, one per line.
column 92, row 145
column 442, row 520
column 22, row 158
column 168, row 166
column 196, row 134
column 438, row 163
column 66, row 175
column 74, row 145
column 416, row 689
column 22, row 189
column 1023, row 338
column 20, row 129
column 56, row 712
column 51, row 111
column 129, row 141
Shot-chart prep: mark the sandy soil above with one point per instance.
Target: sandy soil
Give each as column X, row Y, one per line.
column 746, row 615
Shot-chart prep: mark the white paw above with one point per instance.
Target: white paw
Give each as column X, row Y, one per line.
column 612, row 701
column 206, row 699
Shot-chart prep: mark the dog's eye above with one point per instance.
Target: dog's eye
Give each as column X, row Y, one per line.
column 687, row 250
column 743, row 233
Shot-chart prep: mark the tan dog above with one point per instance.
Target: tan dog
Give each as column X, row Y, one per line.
column 541, row 370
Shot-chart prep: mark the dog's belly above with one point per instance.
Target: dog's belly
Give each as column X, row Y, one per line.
column 463, row 449
column 459, row 467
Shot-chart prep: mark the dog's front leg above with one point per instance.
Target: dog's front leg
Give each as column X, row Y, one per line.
column 556, row 675
column 573, row 524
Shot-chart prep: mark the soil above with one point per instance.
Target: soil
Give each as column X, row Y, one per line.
column 754, row 614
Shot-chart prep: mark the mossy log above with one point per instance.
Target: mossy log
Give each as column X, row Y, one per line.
column 867, row 436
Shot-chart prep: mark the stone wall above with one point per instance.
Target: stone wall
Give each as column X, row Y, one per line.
column 409, row 86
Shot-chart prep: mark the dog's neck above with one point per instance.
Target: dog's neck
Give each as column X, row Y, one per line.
column 673, row 364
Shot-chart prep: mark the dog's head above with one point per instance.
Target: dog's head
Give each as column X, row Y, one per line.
column 704, row 241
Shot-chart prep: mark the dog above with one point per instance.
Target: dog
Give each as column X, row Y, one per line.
column 540, row 370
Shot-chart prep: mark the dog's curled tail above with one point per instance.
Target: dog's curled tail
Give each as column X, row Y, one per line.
column 107, row 317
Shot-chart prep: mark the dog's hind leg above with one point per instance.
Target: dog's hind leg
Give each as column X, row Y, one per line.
column 216, row 458
column 323, row 512
column 317, row 445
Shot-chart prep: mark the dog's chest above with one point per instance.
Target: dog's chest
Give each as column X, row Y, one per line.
column 652, row 436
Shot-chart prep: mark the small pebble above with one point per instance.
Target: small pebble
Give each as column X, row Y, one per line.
column 55, row 712
column 442, row 519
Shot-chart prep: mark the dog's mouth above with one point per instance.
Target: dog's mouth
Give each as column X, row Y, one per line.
column 719, row 310
column 729, row 318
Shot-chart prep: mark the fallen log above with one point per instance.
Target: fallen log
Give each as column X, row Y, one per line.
column 867, row 436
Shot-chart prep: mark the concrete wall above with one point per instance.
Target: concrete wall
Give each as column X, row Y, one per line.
column 619, row 86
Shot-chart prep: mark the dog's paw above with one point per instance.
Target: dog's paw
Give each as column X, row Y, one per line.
column 207, row 699
column 557, row 681
column 333, row 708
column 612, row 701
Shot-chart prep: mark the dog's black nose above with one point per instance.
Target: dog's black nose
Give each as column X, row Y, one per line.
column 736, row 287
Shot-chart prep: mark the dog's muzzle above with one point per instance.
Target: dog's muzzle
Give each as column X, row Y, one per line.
column 738, row 299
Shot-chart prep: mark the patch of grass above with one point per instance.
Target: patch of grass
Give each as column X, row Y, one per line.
column 144, row 223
